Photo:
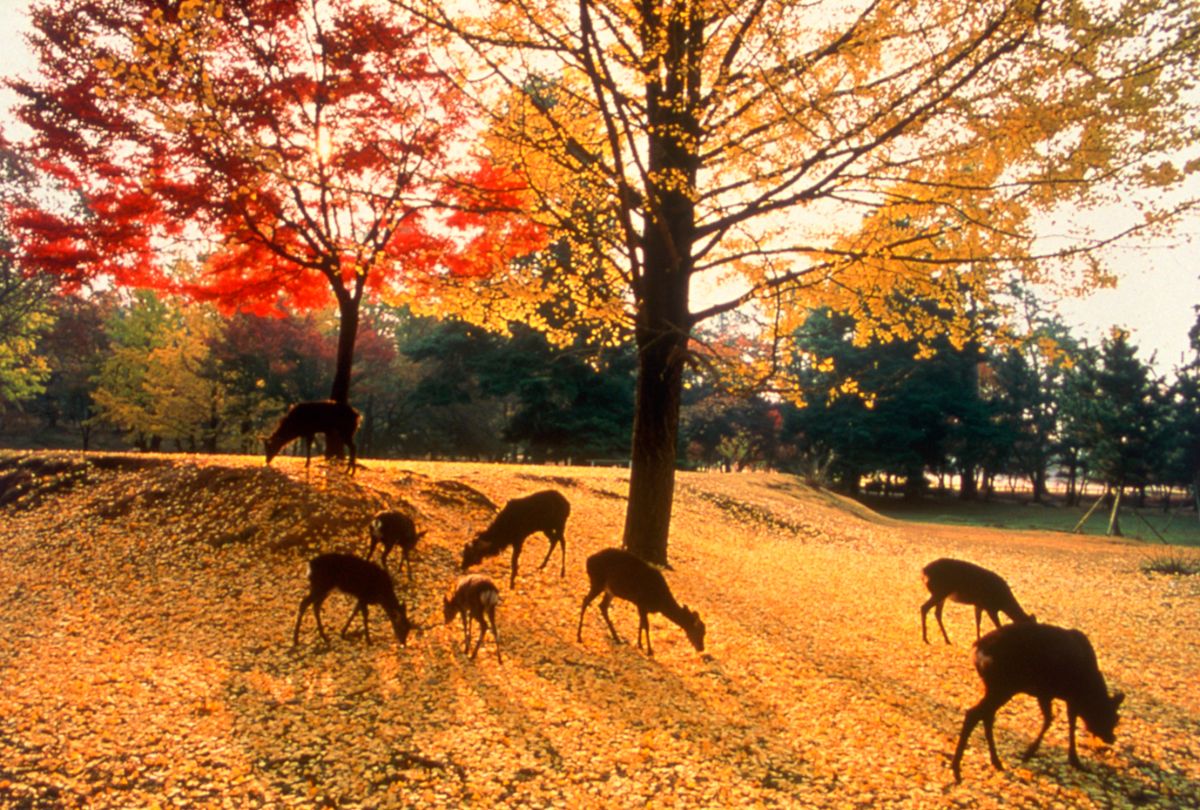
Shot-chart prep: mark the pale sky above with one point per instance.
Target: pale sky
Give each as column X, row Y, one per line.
column 1154, row 297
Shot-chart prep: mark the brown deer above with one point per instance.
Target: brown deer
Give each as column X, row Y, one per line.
column 474, row 597
column 1047, row 662
column 968, row 584
column 544, row 511
column 365, row 581
column 618, row 573
column 391, row 529
column 306, row 419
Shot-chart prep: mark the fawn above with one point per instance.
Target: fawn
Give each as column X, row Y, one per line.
column 391, row 529
column 968, row 584
column 365, row 581
column 618, row 573
column 474, row 597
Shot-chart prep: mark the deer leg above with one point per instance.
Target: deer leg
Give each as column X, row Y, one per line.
column 937, row 612
column 317, row 615
column 984, row 710
column 989, row 720
column 970, row 720
column 1045, row 703
column 644, row 625
column 350, row 618
column 924, row 613
column 604, row 603
column 549, row 551
column 366, row 624
column 466, row 622
column 1072, row 757
column 587, row 600
column 995, row 617
column 495, row 635
column 304, row 603
column 407, row 562
column 512, row 577
column 978, row 618
column 483, row 628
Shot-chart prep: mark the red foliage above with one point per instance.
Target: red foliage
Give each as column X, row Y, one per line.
column 301, row 155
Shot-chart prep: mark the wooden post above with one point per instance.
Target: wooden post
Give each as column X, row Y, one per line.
column 1084, row 519
column 1114, row 520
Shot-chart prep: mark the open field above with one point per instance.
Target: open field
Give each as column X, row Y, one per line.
column 147, row 604
column 1150, row 525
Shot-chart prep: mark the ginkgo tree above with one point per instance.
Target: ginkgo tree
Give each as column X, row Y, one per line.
column 299, row 149
column 769, row 156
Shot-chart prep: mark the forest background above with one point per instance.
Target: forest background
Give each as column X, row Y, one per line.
column 1046, row 411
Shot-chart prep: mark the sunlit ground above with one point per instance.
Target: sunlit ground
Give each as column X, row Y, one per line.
column 145, row 652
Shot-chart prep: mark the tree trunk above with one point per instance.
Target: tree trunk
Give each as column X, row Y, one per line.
column 344, row 364
column 652, row 463
column 664, row 320
column 347, row 336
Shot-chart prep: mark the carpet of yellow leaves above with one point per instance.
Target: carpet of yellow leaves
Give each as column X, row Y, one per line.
column 146, row 608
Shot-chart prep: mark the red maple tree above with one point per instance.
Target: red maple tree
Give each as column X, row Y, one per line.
column 299, row 148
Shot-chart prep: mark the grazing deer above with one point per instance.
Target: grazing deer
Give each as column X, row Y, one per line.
column 365, row 581
column 306, row 419
column 1047, row 662
column 544, row 511
column 618, row 573
column 391, row 529
column 474, row 597
column 968, row 584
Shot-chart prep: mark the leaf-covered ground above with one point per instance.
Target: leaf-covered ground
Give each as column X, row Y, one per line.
column 147, row 604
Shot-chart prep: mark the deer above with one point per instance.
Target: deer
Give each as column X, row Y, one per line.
column 365, row 581
column 475, row 596
column 306, row 419
column 968, row 584
column 1046, row 662
column 620, row 574
column 544, row 511
column 391, row 529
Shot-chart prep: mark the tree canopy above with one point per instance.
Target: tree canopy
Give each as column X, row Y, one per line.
column 298, row 148
column 775, row 156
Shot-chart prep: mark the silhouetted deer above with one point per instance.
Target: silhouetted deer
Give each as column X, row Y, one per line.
column 391, row 529
column 544, row 511
column 365, row 581
column 1047, row 662
column 306, row 419
column 968, row 584
column 474, row 597
column 618, row 573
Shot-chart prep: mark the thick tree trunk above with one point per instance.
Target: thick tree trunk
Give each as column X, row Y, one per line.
column 655, row 434
column 664, row 320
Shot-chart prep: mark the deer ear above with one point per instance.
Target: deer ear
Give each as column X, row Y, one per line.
column 1117, row 698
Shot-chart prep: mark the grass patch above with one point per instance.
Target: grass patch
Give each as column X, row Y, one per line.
column 1148, row 525
column 1172, row 565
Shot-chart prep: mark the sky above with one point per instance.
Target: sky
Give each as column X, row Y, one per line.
column 1154, row 299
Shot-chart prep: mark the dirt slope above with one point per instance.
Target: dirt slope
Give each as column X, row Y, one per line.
column 147, row 604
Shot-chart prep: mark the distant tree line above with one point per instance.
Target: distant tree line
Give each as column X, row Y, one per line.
column 160, row 375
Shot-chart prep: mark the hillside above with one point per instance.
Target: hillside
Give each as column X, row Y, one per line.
column 147, row 606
